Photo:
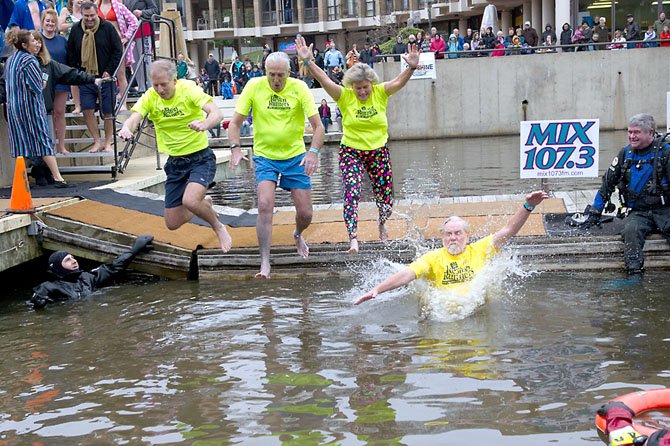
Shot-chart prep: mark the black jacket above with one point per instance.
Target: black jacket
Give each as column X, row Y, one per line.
column 62, row 74
column 566, row 36
column 632, row 31
column 107, row 45
column 212, row 69
column 81, row 283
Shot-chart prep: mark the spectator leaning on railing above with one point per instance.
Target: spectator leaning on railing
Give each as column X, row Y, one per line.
column 632, row 31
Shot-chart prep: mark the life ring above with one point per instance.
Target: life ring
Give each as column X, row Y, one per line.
column 639, row 402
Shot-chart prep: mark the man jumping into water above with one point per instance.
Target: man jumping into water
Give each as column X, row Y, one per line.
column 182, row 114
column 457, row 261
column 279, row 105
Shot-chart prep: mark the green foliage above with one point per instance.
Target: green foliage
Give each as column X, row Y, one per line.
column 387, row 46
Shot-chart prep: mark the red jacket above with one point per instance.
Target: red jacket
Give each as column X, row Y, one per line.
column 438, row 45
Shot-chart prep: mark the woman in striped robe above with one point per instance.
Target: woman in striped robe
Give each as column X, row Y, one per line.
column 29, row 134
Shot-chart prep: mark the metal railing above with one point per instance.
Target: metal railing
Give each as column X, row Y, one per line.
column 516, row 50
column 121, row 159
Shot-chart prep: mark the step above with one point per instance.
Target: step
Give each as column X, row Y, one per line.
column 85, row 169
column 82, row 126
column 81, row 115
column 86, row 141
column 75, row 155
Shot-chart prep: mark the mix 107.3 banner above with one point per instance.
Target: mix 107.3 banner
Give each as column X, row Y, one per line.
column 559, row 149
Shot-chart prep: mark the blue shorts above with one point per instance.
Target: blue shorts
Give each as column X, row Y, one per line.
column 198, row 167
column 88, row 95
column 289, row 173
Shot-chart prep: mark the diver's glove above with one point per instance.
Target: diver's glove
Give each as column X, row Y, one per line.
column 593, row 219
column 585, row 220
column 142, row 244
column 40, row 302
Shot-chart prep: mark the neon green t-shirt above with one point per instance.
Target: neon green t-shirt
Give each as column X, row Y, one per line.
column 443, row 270
column 364, row 123
column 171, row 118
column 279, row 118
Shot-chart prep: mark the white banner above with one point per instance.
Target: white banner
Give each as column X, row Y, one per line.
column 564, row 148
column 426, row 68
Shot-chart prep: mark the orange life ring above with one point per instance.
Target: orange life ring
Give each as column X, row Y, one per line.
column 639, row 402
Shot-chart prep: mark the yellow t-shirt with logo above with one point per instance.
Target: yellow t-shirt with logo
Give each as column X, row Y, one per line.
column 364, row 123
column 443, row 270
column 171, row 118
column 279, row 117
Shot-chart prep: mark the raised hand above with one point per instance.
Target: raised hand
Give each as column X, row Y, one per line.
column 412, row 58
column 535, row 198
column 304, row 52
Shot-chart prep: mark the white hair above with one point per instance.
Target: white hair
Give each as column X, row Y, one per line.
column 278, row 57
column 456, row 218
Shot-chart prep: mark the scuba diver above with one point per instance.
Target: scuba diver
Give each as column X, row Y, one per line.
column 641, row 173
column 72, row 283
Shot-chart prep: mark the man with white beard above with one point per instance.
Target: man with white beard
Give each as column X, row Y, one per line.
column 458, row 261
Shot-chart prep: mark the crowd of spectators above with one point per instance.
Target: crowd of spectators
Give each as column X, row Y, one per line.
column 592, row 35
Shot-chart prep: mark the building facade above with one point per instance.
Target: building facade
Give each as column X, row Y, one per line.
column 356, row 21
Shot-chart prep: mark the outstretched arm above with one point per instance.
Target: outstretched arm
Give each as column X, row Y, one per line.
column 518, row 219
column 391, row 283
column 412, row 60
column 305, row 53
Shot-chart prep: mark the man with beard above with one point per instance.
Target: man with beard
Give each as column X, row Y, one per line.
column 457, row 261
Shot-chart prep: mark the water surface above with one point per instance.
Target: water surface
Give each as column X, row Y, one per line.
column 294, row 363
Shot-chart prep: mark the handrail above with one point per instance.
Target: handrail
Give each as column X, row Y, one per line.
column 542, row 48
column 120, row 165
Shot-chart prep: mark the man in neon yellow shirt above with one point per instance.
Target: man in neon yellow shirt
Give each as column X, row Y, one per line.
column 181, row 113
column 457, row 261
column 279, row 105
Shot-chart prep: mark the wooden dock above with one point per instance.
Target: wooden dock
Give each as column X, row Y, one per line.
column 100, row 231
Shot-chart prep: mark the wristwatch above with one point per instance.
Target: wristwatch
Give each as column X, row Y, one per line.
column 234, row 146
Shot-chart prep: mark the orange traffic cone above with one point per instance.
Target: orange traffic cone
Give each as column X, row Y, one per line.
column 21, row 201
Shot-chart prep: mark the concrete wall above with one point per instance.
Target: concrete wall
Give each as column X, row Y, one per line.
column 483, row 96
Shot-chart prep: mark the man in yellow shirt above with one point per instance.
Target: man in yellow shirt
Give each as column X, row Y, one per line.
column 182, row 113
column 457, row 261
column 279, row 105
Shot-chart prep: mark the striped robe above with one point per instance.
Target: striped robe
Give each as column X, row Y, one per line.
column 29, row 134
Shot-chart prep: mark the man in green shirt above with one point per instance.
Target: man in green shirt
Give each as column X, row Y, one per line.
column 181, row 113
column 279, row 106
column 182, row 66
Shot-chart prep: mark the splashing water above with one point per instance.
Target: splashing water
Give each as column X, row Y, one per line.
column 499, row 279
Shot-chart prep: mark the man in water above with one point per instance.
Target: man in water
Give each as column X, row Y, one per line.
column 72, row 283
column 279, row 105
column 182, row 113
column 458, row 261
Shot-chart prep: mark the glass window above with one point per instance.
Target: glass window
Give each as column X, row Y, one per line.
column 644, row 13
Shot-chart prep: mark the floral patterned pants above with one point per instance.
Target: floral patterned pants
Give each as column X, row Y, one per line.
column 377, row 164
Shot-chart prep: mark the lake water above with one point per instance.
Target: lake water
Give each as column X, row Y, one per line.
column 295, row 363
column 524, row 360
column 426, row 169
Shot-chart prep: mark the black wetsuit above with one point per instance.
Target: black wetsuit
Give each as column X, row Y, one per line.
column 78, row 284
column 643, row 179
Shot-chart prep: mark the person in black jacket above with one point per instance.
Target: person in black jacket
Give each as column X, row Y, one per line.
column 632, row 31
column 72, row 283
column 106, row 49
column 213, row 70
column 566, row 37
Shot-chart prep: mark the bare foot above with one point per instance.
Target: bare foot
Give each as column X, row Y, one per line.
column 264, row 273
column 76, row 111
column 303, row 249
column 383, row 233
column 63, row 151
column 225, row 239
column 353, row 248
column 95, row 149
